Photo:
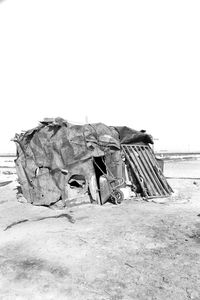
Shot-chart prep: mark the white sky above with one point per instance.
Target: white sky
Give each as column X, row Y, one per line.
column 134, row 63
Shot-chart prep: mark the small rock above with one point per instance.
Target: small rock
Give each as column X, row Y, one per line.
column 196, row 183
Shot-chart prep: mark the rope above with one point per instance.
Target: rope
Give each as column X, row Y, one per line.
column 99, row 167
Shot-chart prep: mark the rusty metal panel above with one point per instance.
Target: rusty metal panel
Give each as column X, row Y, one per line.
column 146, row 170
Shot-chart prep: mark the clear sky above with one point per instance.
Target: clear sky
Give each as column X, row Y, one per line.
column 134, row 63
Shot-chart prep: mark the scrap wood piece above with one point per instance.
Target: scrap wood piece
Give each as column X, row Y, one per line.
column 70, row 219
column 153, row 171
column 146, row 171
column 5, row 183
column 135, row 171
column 15, row 223
column 127, row 264
column 157, row 187
column 142, row 161
column 135, row 156
column 159, row 173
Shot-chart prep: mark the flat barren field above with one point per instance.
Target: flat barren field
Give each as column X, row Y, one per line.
column 136, row 250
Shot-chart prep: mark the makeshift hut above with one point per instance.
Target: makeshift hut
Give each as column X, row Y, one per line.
column 73, row 164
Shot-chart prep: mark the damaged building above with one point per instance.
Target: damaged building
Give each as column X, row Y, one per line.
column 93, row 163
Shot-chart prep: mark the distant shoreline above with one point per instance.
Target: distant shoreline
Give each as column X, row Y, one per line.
column 178, row 156
column 8, row 155
column 170, row 153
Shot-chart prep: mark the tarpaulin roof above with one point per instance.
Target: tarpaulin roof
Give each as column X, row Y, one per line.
column 59, row 143
column 131, row 136
column 56, row 143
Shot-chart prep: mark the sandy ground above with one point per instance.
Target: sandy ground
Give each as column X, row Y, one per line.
column 136, row 250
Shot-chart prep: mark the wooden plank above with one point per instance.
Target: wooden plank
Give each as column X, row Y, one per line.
column 136, row 161
column 159, row 173
column 146, row 170
column 154, row 185
column 168, row 187
column 135, row 171
column 143, row 170
column 154, row 175
column 155, row 168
